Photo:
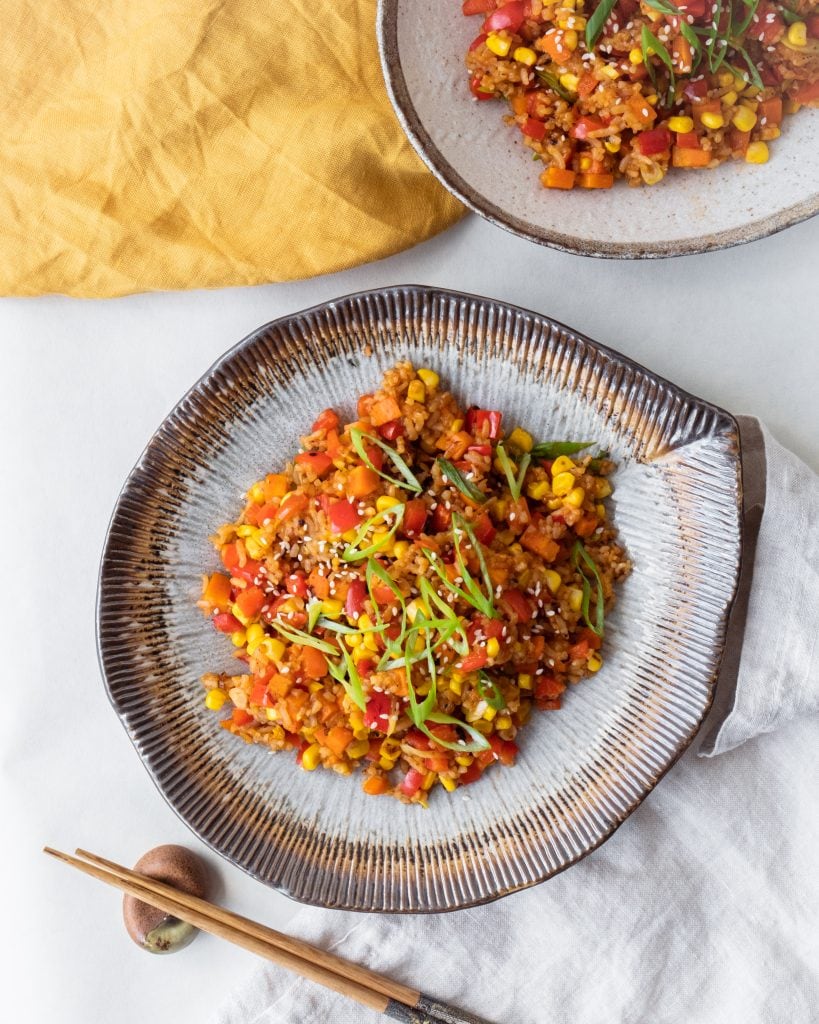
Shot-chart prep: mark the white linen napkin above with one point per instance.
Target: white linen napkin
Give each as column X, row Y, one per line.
column 704, row 906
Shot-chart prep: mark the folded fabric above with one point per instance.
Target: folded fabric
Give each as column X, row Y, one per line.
column 181, row 144
column 702, row 907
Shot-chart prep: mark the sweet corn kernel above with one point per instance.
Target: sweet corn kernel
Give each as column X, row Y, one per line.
column 254, row 548
column 572, row 21
column 539, row 490
column 493, row 647
column 602, row 487
column 553, row 580
column 386, row 763
column 414, row 607
column 798, row 34
column 712, row 120
column 525, row 55
column 358, row 749
column 448, row 784
column 601, row 511
column 311, row 757
column 653, row 15
column 429, row 377
column 215, row 699
column 610, row 71
column 792, row 106
column 390, row 748
column 503, row 722
column 554, row 504
column 575, row 599
column 332, row 608
column 455, row 685
column 725, row 78
column 371, row 641
column 385, row 501
column 499, row 45
column 772, row 132
column 349, row 536
column 455, row 426
column 681, row 124
column 361, row 734
column 576, row 497
column 612, row 145
column 524, row 680
column 272, row 715
column 361, row 652
column 515, row 549
column 520, row 439
column 416, row 392
column 585, row 162
column 750, row 90
column 256, row 493
column 635, row 56
column 744, row 119
column 400, row 548
column 273, row 648
column 570, row 39
column 562, row 464
column 352, row 639
column 490, row 714
column 465, row 760
column 562, row 483
column 594, row 662
column 729, row 98
column 245, row 530
column 429, row 780
column 238, row 638
column 364, row 621
column 255, row 632
column 652, row 99
column 757, row 153
column 739, row 83
column 569, row 81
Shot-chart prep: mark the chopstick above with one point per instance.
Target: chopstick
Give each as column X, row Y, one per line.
column 366, row 987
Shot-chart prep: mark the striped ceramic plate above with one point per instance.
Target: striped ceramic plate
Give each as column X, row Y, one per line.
column 582, row 770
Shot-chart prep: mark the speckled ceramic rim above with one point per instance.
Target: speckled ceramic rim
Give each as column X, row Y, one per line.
column 387, row 27
column 681, row 417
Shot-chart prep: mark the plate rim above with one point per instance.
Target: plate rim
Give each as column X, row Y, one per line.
column 404, row 108
column 427, row 292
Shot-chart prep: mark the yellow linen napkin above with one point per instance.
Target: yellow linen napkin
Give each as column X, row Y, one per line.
column 150, row 144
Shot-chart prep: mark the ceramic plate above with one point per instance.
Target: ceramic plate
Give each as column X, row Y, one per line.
column 583, row 769
column 483, row 162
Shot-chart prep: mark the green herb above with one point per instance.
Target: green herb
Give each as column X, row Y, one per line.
column 594, row 26
column 298, row 636
column 375, row 571
column 432, row 597
column 313, row 613
column 478, row 549
column 739, row 30
column 344, row 629
column 515, row 482
column 457, row 479
column 551, row 81
column 596, row 464
column 651, row 45
column 349, row 678
column 790, row 16
column 581, row 555
column 753, row 70
column 409, row 481
column 488, row 690
column 352, row 553
column 551, row 449
column 479, row 742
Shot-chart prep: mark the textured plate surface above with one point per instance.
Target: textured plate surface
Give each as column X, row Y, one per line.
column 485, row 164
column 317, row 836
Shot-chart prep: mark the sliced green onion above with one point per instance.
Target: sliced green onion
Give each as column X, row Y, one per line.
column 349, row 678
column 298, row 636
column 552, row 82
column 457, row 479
column 478, row 549
column 649, row 45
column 313, row 613
column 343, row 628
column 488, row 689
column 352, row 553
column 594, row 26
column 580, row 554
column 551, row 449
column 374, row 570
column 410, row 481
column 432, row 597
column 479, row 742
column 789, row 16
column 753, row 70
column 515, row 483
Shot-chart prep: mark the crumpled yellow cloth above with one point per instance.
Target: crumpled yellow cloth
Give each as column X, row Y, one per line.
column 150, row 144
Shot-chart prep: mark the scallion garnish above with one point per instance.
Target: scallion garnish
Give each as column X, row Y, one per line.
column 432, row 597
column 650, row 45
column 298, row 636
column 313, row 613
column 479, row 742
column 594, row 26
column 514, row 482
column 408, row 481
column 457, row 479
column 551, row 449
column 458, row 522
column 352, row 553
column 489, row 691
column 552, row 82
column 349, row 678
column 581, row 555
column 376, row 571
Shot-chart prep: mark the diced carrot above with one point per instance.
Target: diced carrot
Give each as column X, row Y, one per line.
column 383, row 410
column 683, row 157
column 553, row 44
column 275, row 486
column 738, row 140
column 362, row 481
column 217, row 591
column 319, row 585
column 313, row 662
column 295, row 701
column 538, row 542
column 338, row 739
column 770, row 111
column 587, row 84
column 586, row 526
column 519, row 103
column 498, row 573
column 591, row 180
column 558, row 177
column 240, row 717
column 279, row 685
column 291, row 506
column 333, row 446
column 642, row 109
column 681, row 52
column 375, row 785
column 250, row 601
column 688, row 140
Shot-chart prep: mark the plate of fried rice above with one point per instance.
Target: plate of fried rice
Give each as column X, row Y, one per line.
column 623, row 128
column 415, row 596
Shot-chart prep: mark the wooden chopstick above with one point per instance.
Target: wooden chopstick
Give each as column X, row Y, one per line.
column 364, row 986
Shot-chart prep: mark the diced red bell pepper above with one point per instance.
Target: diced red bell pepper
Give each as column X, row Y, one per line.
column 415, row 518
column 344, row 516
column 365, row 667
column 807, row 93
column 767, row 26
column 696, row 90
column 327, row 420
column 473, row 661
column 516, row 603
column 258, row 691
column 477, row 41
column 534, row 129
column 696, row 8
column 548, row 688
column 375, row 455
column 356, row 596
column 319, row 462
column 472, row 774
column 770, row 111
column 379, row 709
column 504, row 750
column 296, row 583
column 441, row 518
column 657, row 140
column 510, row 16
column 812, row 25
column 584, row 125
column 241, row 717
column 411, row 782
column 391, row 430
column 475, row 88
column 291, row 506
column 477, row 6
column 688, row 140
column 480, row 449
column 484, row 529
column 484, row 422
column 770, row 74
column 226, row 623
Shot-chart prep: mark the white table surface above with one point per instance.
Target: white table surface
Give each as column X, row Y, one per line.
column 82, row 387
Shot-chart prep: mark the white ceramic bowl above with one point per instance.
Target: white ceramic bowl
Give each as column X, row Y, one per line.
column 485, row 163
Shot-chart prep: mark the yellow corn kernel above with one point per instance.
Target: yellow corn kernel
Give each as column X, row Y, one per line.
column 772, row 132
column 750, row 90
column 256, row 493
column 386, row 763
column 562, row 483
column 499, row 45
column 503, row 722
column 352, row 639
column 569, row 81
column 562, row 464
column 594, row 662
column 311, row 758
column 254, row 645
column 572, row 21
column 652, row 176
column 358, row 749
column 245, row 531
column 272, row 715
column 570, row 39
column 382, row 541
column 255, row 632
column 416, row 392
column 490, row 714
column 238, row 638
column 525, row 55
column 362, row 734
column 361, row 652
column 725, row 78
column 635, row 56
column 515, row 549
column 610, row 71
column 729, row 99
column 554, row 504
column 332, row 608
column 400, row 548
column 455, row 426
column 429, row 377
column 798, row 34
column 364, row 621
column 612, row 145
column 712, row 120
column 385, row 501
column 456, row 685
column 575, row 599
column 602, row 487
column 553, row 580
column 464, row 760
column 585, row 162
column 448, row 784
column 539, row 490
column 524, row 680
column 757, row 153
column 414, row 607
column 652, row 99
column 653, row 15
column 521, row 439
column 315, row 686
column 601, row 511
column 744, row 119
column 215, row 699
column 792, row 106
column 576, row 497
column 390, row 748
column 273, row 648
column 356, row 720
column 429, row 780
column 681, row 124
column 493, row 647
column 371, row 641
